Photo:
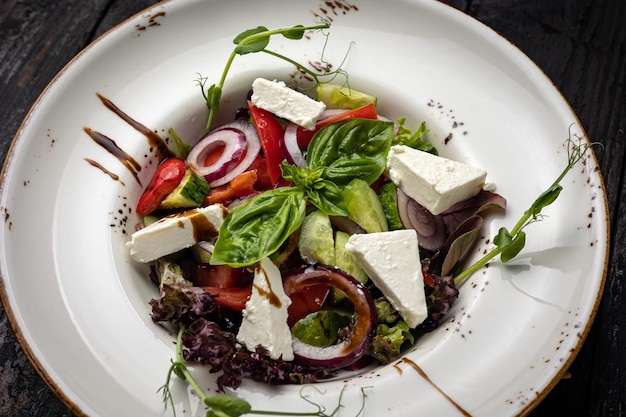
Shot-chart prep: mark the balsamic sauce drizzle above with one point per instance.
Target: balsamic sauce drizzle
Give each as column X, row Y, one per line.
column 112, row 147
column 155, row 141
column 427, row 379
column 115, row 177
column 157, row 144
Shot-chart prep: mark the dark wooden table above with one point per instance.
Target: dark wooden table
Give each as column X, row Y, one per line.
column 581, row 46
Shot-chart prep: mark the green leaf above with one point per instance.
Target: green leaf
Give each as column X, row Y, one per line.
column 351, row 149
column 213, row 96
column 545, row 199
column 296, row 32
column 514, row 247
column 258, row 227
column 324, row 194
column 182, row 148
column 503, row 238
column 248, row 42
column 226, row 406
column 415, row 140
column 328, row 198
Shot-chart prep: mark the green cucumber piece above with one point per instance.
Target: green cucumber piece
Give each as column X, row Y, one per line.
column 320, row 328
column 389, row 201
column 191, row 192
column 345, row 261
column 336, row 96
column 364, row 206
column 316, row 242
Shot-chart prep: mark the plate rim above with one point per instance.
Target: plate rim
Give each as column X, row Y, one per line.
column 21, row 334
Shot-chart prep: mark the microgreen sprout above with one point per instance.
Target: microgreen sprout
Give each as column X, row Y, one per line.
column 222, row 405
column 252, row 41
column 509, row 243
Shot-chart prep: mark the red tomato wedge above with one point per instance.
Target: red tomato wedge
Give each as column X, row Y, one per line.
column 231, row 298
column 218, row 276
column 365, row 112
column 270, row 134
column 305, row 302
column 166, row 178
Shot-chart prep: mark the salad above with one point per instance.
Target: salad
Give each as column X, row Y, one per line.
column 309, row 236
column 287, row 242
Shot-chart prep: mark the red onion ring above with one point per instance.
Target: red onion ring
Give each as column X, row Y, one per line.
column 290, row 148
column 361, row 329
column 241, row 147
column 431, row 232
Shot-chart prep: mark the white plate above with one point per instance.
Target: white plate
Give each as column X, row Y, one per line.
column 80, row 304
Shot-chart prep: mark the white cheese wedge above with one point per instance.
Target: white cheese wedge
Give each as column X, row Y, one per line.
column 392, row 261
column 178, row 231
column 434, row 182
column 265, row 315
column 277, row 98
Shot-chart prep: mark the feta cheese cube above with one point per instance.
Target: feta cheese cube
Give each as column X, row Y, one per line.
column 175, row 232
column 434, row 182
column 392, row 261
column 265, row 315
column 277, row 98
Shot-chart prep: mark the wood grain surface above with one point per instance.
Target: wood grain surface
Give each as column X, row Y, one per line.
column 579, row 44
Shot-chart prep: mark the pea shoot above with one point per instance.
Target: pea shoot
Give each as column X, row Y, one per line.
column 509, row 243
column 222, row 405
column 252, row 41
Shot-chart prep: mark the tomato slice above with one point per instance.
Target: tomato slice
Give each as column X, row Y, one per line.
column 231, row 298
column 364, row 112
column 218, row 276
column 270, row 134
column 307, row 301
column 166, row 178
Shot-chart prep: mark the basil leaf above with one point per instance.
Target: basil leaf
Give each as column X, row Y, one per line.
column 328, row 198
column 244, row 47
column 324, row 194
column 258, row 227
column 356, row 148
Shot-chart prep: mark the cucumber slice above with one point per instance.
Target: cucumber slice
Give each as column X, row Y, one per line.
column 316, row 242
column 345, row 260
column 389, row 201
column 190, row 192
column 364, row 207
column 338, row 97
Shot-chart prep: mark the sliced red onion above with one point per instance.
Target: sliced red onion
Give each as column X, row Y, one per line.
column 361, row 329
column 241, row 147
column 206, row 246
column 290, row 147
column 328, row 113
column 431, row 232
